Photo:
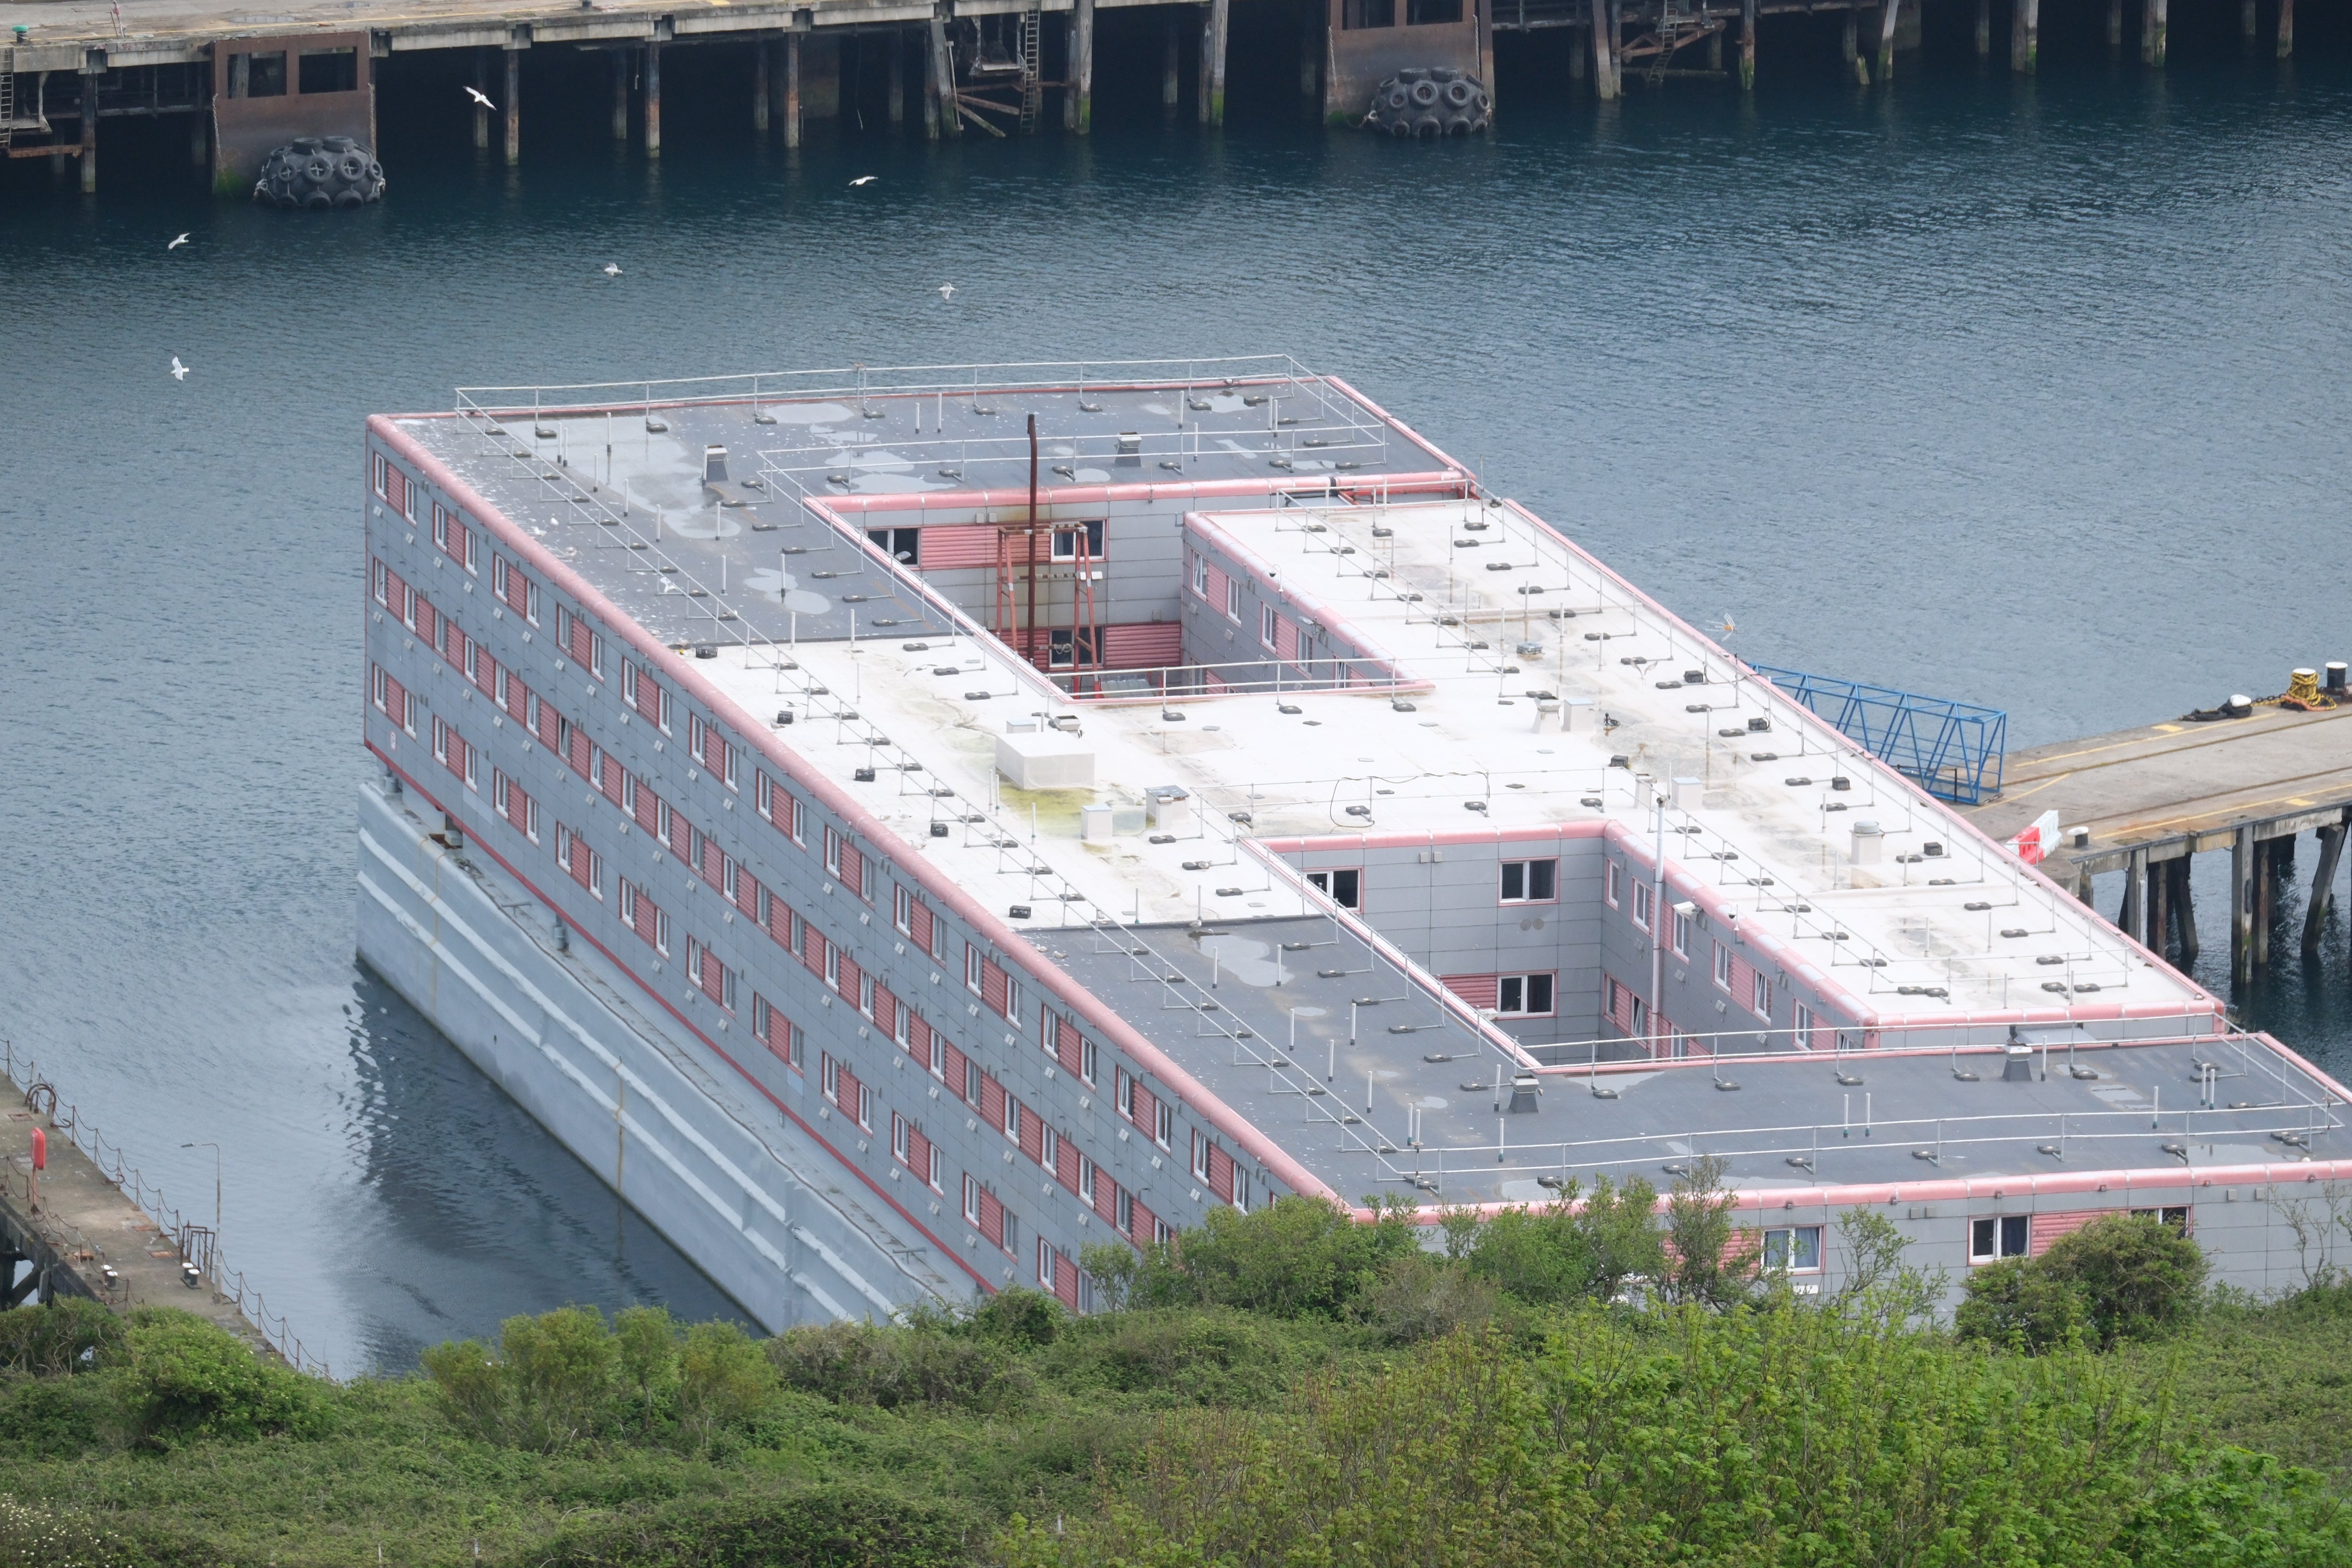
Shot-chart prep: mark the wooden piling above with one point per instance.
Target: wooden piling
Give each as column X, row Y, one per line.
column 1604, row 70
column 793, row 91
column 512, row 98
column 2135, row 911
column 482, row 86
column 2151, row 32
column 88, row 133
column 1577, row 55
column 620, row 95
column 1171, row 84
column 760, row 86
column 2024, row 35
column 2160, row 905
column 1715, row 51
column 2114, row 26
column 2265, row 899
column 1984, row 28
column 1212, row 62
column 2184, row 907
column 931, row 92
column 1070, row 70
column 897, row 79
column 1082, row 64
column 2286, row 29
column 1887, row 16
column 1849, row 50
column 2247, row 28
column 653, row 98
column 2322, row 889
column 1747, row 45
column 1310, row 54
column 942, row 73
column 2241, row 901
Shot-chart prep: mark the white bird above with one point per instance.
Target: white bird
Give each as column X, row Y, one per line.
column 177, row 243
column 612, row 269
column 479, row 97
column 179, row 370
column 863, row 180
column 947, row 291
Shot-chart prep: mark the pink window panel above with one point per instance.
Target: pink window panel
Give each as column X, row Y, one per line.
column 1065, row 1280
column 994, row 988
column 518, row 698
column 518, row 589
column 611, row 784
column 681, row 837
column 1033, row 1136
column 551, row 726
column 583, row 859
column 714, row 751
column 812, row 948
column 1066, row 1167
column 853, row 868
column 921, row 922
column 648, row 810
column 395, row 488
column 1220, row 1173
column 1147, row 1107
column 886, row 1011
column 2049, row 1228
column 1145, row 1221
column 581, row 753
column 714, row 865
column 779, row 1038
column 991, row 1101
column 958, row 544
column 853, row 1095
column 850, row 976
column 747, row 893
column 955, row 1071
column 713, row 978
column 992, row 1218
column 1285, row 638
column 1216, row 593
column 1743, row 980
column 1620, row 1005
column 581, row 637
column 648, row 923
column 1066, row 1044
column 649, row 696
column 1145, row 647
column 453, row 642
column 427, row 624
column 395, row 701
column 1478, row 990
column 395, row 596
column 485, row 674
column 918, row 1154
column 779, row 923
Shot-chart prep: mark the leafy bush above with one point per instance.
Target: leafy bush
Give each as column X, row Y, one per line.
column 2122, row 1277
column 832, row 1526
column 188, row 1379
column 1181, row 1356
column 35, row 1537
column 1709, row 1261
column 916, row 1364
column 1570, row 1249
column 1420, row 1298
column 69, row 1334
column 1294, row 1258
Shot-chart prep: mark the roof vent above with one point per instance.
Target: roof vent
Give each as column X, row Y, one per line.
column 714, row 464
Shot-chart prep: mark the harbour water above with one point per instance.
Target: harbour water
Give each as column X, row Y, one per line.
column 2024, row 393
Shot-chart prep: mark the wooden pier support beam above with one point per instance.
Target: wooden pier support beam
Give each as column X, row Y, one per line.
column 1172, row 94
column 512, row 100
column 760, row 86
column 2184, row 907
column 2160, row 905
column 1082, row 64
column 942, row 73
column 1887, row 16
column 481, row 114
column 2024, row 35
column 2286, row 29
column 898, row 78
column 1215, row 21
column 2135, row 911
column 2322, row 889
column 2151, row 32
column 930, row 92
column 653, row 98
column 2241, row 905
column 199, row 143
column 1747, row 45
column 1849, row 51
column 1715, row 51
column 793, row 91
column 1984, row 28
column 620, row 95
column 2266, row 882
column 1604, row 65
column 88, row 132
column 2248, row 29
column 2114, row 26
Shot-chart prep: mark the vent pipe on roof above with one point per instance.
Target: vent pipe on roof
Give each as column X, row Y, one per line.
column 714, row 464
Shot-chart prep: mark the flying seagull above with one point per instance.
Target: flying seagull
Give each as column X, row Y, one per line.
column 476, row 94
column 863, row 180
column 612, row 269
column 177, row 243
column 947, row 291
column 179, row 370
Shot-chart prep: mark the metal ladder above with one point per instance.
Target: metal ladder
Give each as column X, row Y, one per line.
column 7, row 98
column 1669, row 23
column 1033, row 92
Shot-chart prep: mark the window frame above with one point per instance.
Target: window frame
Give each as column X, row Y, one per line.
column 1644, row 910
column 1722, row 966
column 1999, row 1229
column 1529, row 982
column 1327, row 882
column 1609, row 885
column 1536, row 871
column 1792, row 1249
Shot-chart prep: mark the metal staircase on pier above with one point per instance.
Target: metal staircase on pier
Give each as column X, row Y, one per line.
column 1673, row 22
column 1032, row 91
column 7, row 99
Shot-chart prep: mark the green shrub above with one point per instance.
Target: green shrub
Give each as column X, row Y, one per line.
column 1420, row 1298
column 1181, row 1356
column 1019, row 1317
column 69, row 1334
column 858, row 1363
column 723, row 1380
column 2018, row 1303
column 1296, row 1257
column 2137, row 1275
column 58, row 1415
column 32, row 1536
column 1570, row 1249
column 843, row 1525
column 188, row 1379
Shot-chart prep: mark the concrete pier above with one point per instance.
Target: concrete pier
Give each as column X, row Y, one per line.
column 71, row 1230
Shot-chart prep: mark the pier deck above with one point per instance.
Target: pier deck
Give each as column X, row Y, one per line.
column 85, row 1225
column 2143, row 800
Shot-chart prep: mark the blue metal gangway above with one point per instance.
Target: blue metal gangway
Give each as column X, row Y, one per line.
column 1952, row 750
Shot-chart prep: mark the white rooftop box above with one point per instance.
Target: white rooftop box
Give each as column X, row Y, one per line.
column 1046, row 760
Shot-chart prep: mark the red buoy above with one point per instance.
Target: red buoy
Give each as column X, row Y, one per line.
column 40, row 1150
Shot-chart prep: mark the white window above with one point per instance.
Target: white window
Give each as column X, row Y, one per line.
column 1609, row 883
column 1722, row 966
column 1044, row 1266
column 1645, row 898
column 1759, row 1000
column 1682, row 934
column 1269, row 627
column 900, row 1146
column 1802, row 1026
column 1166, row 1116
column 902, row 909
column 971, row 1201
column 1200, row 575
column 1089, row 1060
column 1996, row 1237
column 833, row 852
column 1524, row 996
column 1233, row 598
column 1049, row 1148
column 1795, row 1249
column 1066, row 541
column 1536, row 881
column 1200, row 1158
column 829, row 1076
column 973, row 967
column 1345, row 886
column 1013, row 1118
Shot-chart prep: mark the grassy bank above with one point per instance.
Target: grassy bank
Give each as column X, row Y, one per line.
column 1277, row 1389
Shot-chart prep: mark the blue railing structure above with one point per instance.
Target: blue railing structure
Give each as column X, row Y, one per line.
column 1952, row 750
